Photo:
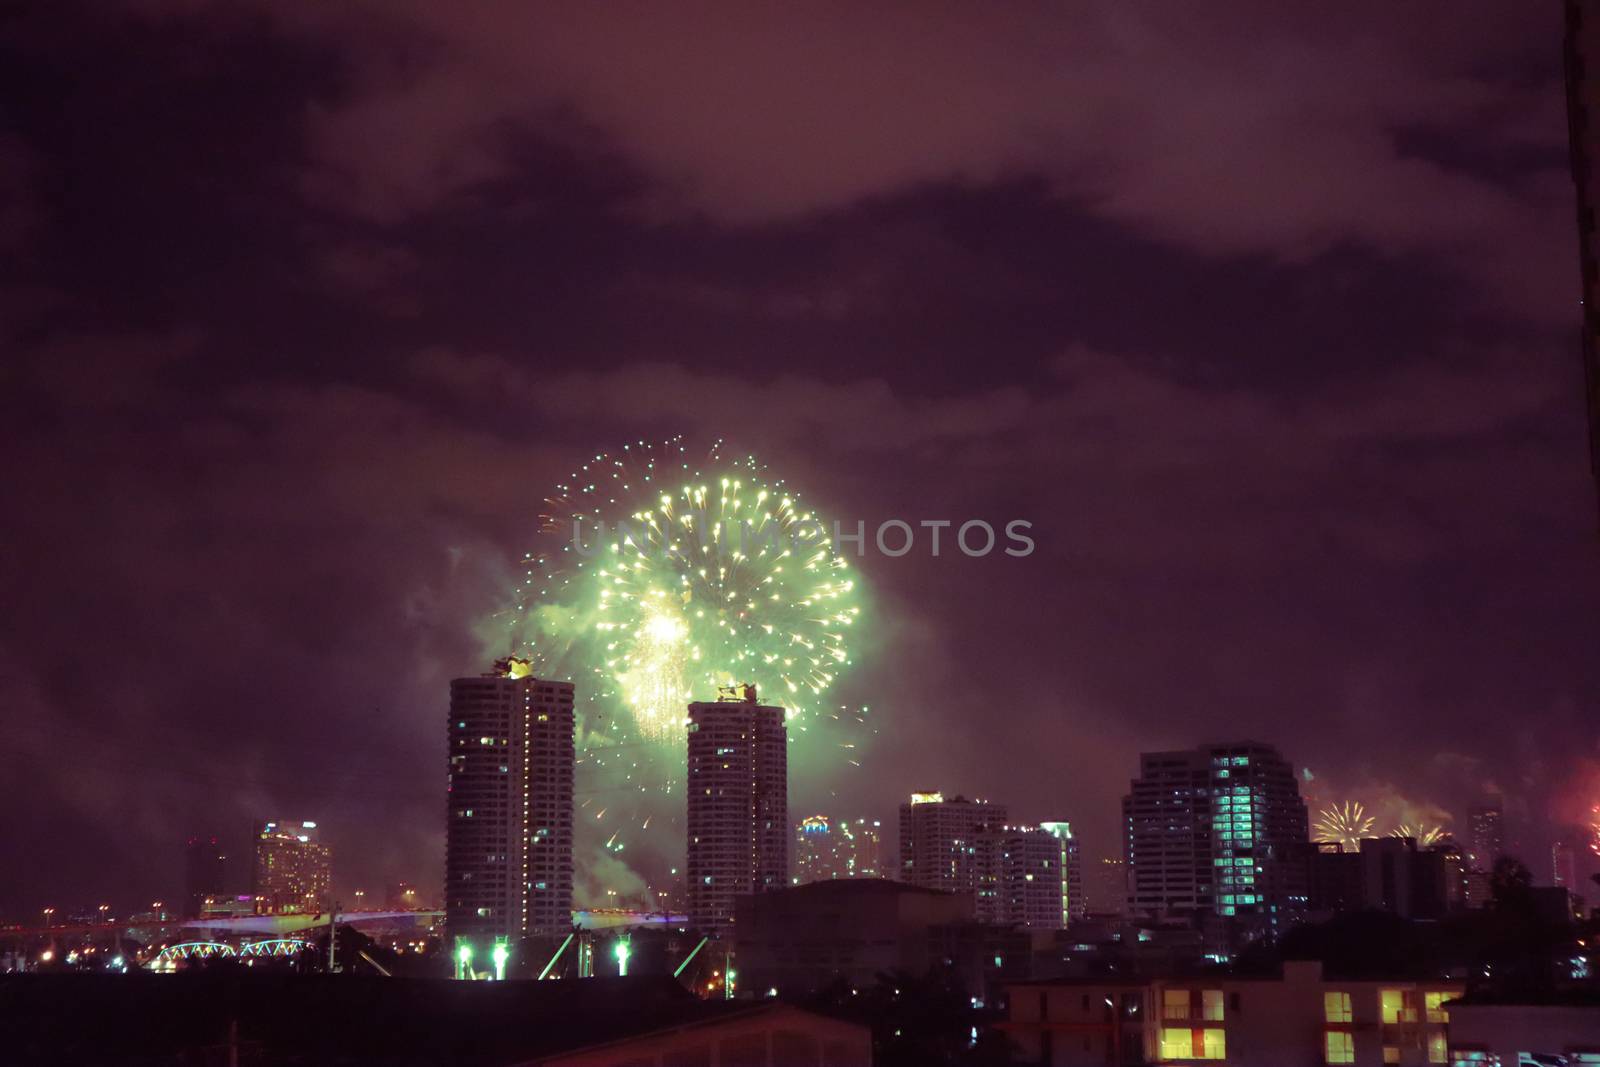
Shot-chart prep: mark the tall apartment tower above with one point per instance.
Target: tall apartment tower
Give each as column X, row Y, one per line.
column 204, row 869
column 738, row 805
column 1021, row 877
column 508, row 834
column 293, row 867
column 1072, row 858
column 938, row 841
column 1564, row 866
column 1220, row 829
column 1486, row 841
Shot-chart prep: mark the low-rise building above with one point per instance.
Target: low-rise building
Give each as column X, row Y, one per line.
column 1485, row 1032
column 805, row 937
column 1297, row 1018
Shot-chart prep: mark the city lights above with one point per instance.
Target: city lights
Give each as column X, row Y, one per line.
column 500, row 954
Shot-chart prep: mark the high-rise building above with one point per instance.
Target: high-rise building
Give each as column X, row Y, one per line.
column 738, row 805
column 1218, row 829
column 1077, row 901
column 1021, row 877
column 1486, row 843
column 204, row 870
column 1564, row 866
column 937, row 840
column 508, row 836
column 293, row 868
column 1107, row 886
column 827, row 849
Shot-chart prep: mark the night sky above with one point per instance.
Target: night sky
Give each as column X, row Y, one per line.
column 1266, row 318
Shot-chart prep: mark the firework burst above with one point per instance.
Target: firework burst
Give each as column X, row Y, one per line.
column 1344, row 825
column 660, row 578
column 678, row 580
column 1424, row 836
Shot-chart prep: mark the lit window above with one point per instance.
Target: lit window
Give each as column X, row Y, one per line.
column 1391, row 1054
column 1438, row 1049
column 1434, row 1002
column 1175, row 1004
column 1211, row 1005
column 1336, row 1007
column 1214, row 1042
column 1339, row 1047
column 1390, row 1003
column 1177, row 1043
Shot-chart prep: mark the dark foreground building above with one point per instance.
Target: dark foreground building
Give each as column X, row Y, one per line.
column 234, row 1016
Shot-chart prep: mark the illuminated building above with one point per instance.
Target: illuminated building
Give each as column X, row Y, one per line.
column 1218, row 829
column 1300, row 1016
column 826, row 849
column 738, row 805
column 293, row 868
column 937, row 840
column 508, row 836
column 1021, row 876
column 204, row 865
column 1486, row 843
column 1564, row 866
column 1077, row 899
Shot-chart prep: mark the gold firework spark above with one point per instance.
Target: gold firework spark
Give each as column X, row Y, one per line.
column 1344, row 825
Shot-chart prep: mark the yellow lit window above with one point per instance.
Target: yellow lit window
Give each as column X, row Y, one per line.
column 1211, row 1005
column 1177, row 1043
column 1438, row 1049
column 1175, row 1004
column 1391, row 1054
column 1340, row 1047
column 1434, row 1002
column 1214, row 1043
column 1336, row 1007
column 1391, row 1002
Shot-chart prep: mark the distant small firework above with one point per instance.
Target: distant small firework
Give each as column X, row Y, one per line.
column 1424, row 836
column 1344, row 825
column 1594, row 829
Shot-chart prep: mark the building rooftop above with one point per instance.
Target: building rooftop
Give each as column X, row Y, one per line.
column 347, row 1019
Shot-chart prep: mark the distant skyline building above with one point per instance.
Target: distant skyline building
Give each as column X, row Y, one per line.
column 1217, row 829
column 829, row 849
column 938, row 841
column 1021, row 877
column 1106, row 883
column 293, row 867
column 205, row 866
column 508, row 835
column 1486, row 840
column 1077, row 901
column 738, row 805
column 1564, row 866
